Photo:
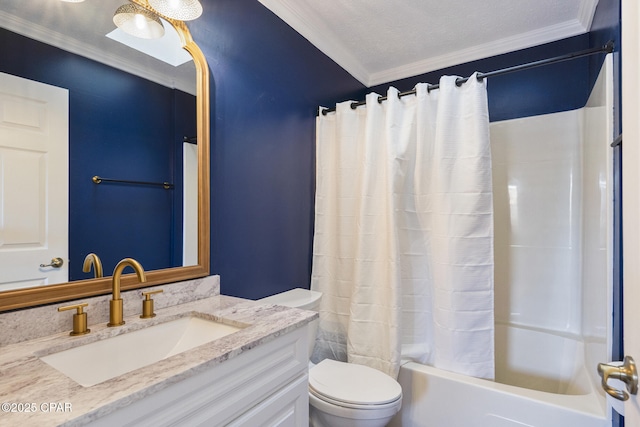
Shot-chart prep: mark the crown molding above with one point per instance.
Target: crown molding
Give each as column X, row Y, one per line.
column 312, row 30
column 322, row 40
column 586, row 13
column 53, row 38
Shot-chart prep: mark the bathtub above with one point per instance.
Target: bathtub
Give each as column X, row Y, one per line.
column 541, row 381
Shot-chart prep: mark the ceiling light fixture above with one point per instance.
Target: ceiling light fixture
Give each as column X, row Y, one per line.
column 181, row 10
column 138, row 22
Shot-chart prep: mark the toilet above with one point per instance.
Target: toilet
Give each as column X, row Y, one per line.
column 342, row 394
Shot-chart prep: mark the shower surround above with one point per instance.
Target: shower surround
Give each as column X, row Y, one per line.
column 553, row 272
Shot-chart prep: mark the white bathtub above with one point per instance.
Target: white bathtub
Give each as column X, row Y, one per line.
column 541, row 381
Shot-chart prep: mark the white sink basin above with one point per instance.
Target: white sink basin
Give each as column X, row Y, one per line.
column 102, row 360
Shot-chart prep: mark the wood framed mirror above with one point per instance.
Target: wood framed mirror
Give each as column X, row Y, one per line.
column 34, row 296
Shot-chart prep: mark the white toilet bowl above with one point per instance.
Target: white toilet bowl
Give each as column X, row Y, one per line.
column 342, row 394
column 349, row 395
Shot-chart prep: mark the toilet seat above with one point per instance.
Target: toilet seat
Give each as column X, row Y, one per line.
column 366, row 407
column 353, row 415
column 353, row 386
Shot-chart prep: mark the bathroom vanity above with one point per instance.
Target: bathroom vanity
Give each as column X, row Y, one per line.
column 254, row 375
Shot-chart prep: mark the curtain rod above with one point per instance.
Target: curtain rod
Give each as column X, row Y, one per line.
column 607, row 48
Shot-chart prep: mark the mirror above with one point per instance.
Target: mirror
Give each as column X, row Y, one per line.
column 19, row 298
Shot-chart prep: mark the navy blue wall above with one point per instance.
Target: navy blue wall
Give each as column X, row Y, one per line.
column 267, row 83
column 122, row 127
column 549, row 89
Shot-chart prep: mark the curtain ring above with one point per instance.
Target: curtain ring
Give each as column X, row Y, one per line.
column 380, row 99
column 479, row 77
column 429, row 87
column 354, row 105
column 324, row 111
column 459, row 81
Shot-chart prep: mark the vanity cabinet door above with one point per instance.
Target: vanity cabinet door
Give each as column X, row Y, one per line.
column 288, row 407
column 263, row 386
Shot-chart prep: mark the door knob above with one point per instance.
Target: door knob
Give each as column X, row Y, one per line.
column 55, row 263
column 626, row 373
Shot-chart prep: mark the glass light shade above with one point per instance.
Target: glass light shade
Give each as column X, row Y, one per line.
column 181, row 10
column 138, row 22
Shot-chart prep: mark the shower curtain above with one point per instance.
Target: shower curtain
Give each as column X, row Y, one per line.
column 403, row 242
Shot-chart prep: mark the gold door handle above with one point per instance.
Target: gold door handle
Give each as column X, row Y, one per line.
column 55, row 263
column 626, row 373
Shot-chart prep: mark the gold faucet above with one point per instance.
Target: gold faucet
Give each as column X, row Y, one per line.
column 115, row 305
column 97, row 265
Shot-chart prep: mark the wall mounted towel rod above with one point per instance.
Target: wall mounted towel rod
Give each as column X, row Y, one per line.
column 98, row 180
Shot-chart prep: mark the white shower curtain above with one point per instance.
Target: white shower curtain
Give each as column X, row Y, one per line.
column 403, row 244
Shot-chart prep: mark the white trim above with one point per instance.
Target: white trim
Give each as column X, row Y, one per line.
column 50, row 37
column 497, row 47
column 631, row 188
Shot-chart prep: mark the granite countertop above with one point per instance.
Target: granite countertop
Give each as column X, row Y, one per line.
column 55, row 399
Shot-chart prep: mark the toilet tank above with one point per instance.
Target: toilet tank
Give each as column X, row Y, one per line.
column 304, row 299
column 296, row 298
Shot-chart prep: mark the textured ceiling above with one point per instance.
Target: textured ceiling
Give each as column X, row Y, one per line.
column 378, row 41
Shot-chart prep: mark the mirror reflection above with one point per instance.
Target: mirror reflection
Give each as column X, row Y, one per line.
column 128, row 116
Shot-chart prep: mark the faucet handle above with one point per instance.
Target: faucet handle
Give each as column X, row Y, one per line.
column 147, row 304
column 79, row 319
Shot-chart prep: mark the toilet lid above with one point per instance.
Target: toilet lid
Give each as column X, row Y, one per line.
column 352, row 383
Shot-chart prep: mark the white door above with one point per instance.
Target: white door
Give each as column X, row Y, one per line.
column 34, row 174
column 631, row 190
